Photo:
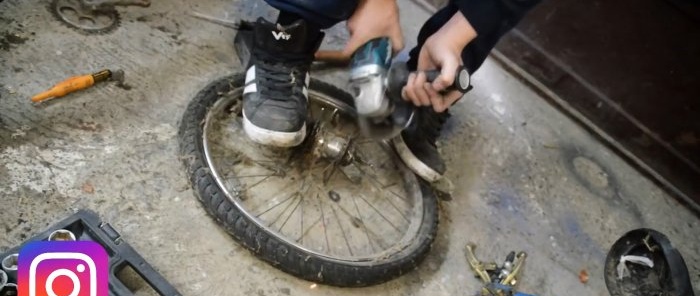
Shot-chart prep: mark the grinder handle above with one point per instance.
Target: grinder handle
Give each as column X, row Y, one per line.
column 398, row 77
column 461, row 83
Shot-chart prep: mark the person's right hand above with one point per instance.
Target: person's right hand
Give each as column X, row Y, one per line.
column 374, row 19
column 442, row 50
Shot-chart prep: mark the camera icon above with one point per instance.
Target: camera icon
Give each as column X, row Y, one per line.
column 50, row 268
column 75, row 279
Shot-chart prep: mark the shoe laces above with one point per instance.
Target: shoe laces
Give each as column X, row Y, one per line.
column 281, row 74
column 431, row 125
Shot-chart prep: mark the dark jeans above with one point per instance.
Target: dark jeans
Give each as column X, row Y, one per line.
column 490, row 18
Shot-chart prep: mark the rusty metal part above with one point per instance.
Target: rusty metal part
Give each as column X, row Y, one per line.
column 77, row 16
column 91, row 16
column 511, row 278
column 110, row 4
column 477, row 266
column 498, row 280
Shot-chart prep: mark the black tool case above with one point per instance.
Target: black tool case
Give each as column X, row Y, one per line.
column 86, row 226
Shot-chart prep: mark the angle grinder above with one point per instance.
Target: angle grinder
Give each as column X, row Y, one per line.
column 377, row 84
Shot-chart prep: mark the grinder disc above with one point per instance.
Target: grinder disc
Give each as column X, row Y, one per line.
column 76, row 16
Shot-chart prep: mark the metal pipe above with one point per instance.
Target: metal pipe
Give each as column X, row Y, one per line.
column 62, row 235
column 9, row 265
column 222, row 22
column 10, row 289
column 3, row 280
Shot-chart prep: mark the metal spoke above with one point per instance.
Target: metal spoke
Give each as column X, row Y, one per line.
column 359, row 216
column 363, row 225
column 257, row 161
column 264, row 164
column 308, row 229
column 295, row 194
column 373, row 179
column 380, row 214
column 397, row 209
column 396, row 194
column 381, row 187
column 360, row 158
column 275, row 194
column 301, row 199
column 277, row 204
column 302, row 209
column 389, row 185
column 340, row 225
column 381, row 165
column 365, row 141
column 350, row 179
column 301, row 228
column 253, row 176
column 257, row 183
column 277, row 170
column 323, row 219
column 300, row 174
column 327, row 175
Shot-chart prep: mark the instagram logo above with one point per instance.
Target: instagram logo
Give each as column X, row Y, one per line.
column 61, row 268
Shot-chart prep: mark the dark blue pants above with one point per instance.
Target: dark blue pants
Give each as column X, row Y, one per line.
column 490, row 18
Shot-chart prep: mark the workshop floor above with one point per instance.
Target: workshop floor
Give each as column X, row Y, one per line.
column 527, row 177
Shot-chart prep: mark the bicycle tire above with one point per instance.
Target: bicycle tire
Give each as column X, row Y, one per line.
column 264, row 244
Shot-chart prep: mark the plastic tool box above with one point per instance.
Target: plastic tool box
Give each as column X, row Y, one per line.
column 86, row 226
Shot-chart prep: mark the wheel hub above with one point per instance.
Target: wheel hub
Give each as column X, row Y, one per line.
column 332, row 147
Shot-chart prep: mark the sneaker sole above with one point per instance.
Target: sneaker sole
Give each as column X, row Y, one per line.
column 413, row 162
column 273, row 138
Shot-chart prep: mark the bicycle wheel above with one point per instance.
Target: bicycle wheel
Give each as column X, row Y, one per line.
column 338, row 209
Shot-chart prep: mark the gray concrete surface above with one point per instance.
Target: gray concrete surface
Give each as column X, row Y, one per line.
column 528, row 178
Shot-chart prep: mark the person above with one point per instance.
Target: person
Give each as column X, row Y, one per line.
column 277, row 77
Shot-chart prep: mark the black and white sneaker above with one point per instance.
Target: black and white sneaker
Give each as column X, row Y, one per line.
column 417, row 144
column 275, row 96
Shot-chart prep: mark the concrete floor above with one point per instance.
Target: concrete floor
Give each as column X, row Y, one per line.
column 528, row 178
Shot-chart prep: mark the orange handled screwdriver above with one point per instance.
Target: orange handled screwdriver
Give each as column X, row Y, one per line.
column 72, row 84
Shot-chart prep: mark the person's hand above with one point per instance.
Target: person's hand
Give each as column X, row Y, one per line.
column 441, row 51
column 373, row 19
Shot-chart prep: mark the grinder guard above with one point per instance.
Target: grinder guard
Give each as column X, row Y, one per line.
column 373, row 79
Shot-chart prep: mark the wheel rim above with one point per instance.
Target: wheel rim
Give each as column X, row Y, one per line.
column 365, row 212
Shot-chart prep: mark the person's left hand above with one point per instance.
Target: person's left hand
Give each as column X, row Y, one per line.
column 371, row 19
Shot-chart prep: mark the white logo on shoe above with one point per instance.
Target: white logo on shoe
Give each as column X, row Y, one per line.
column 281, row 35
